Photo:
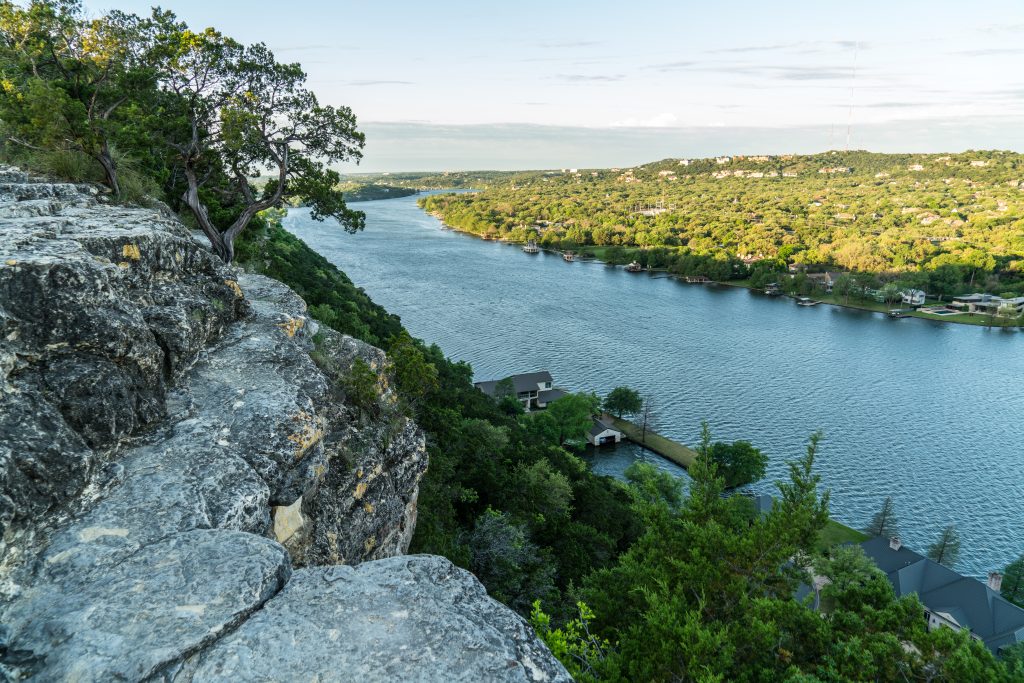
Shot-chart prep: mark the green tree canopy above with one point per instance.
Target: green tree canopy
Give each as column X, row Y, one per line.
column 623, row 401
column 247, row 113
column 738, row 463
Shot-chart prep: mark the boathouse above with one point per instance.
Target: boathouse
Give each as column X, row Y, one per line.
column 603, row 434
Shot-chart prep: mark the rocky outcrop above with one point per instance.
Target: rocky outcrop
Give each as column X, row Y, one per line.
column 415, row 617
column 175, row 440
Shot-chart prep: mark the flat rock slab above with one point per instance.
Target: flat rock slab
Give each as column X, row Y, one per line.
column 148, row 612
column 407, row 618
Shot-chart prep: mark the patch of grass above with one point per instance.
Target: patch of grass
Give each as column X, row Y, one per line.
column 835, row 533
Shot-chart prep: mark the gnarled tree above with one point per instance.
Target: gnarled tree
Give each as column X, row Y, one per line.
column 246, row 115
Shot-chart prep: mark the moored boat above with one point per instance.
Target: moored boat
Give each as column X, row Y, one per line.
column 634, row 267
column 531, row 247
column 569, row 256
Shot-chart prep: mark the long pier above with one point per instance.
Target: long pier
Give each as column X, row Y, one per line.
column 666, row 448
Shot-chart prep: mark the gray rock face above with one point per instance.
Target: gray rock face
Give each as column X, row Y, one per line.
column 91, row 304
column 411, row 618
column 169, row 450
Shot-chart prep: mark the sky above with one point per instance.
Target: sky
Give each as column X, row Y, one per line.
column 452, row 85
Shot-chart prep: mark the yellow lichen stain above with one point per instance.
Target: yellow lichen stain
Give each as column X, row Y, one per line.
column 308, row 433
column 367, row 508
column 131, row 251
column 332, row 543
column 124, row 264
column 292, row 326
column 369, row 544
column 360, row 490
column 11, row 262
column 359, row 473
column 233, row 285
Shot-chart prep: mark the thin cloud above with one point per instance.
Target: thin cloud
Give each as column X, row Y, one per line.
column 673, row 66
column 568, row 44
column 311, row 48
column 587, row 78
column 361, row 84
column 991, row 51
column 777, row 72
column 892, row 105
column 802, row 47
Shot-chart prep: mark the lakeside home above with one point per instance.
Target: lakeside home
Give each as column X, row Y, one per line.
column 535, row 390
column 950, row 599
column 989, row 304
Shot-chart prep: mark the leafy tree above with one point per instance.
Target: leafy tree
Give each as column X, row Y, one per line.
column 623, row 401
column 654, row 485
column 247, row 112
column 891, row 293
column 512, row 567
column 582, row 652
column 1013, row 582
column 884, row 522
column 362, row 387
column 68, row 78
column 569, row 418
column 738, row 463
column 947, row 548
column 415, row 376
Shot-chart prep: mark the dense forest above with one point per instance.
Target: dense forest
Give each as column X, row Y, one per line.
column 944, row 223
column 635, row 580
column 365, row 192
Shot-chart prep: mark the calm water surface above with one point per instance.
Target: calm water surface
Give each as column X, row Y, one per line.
column 930, row 413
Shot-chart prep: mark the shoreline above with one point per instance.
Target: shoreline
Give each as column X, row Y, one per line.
column 738, row 285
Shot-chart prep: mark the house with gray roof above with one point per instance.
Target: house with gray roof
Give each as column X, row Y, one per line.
column 533, row 389
column 603, row 433
column 950, row 599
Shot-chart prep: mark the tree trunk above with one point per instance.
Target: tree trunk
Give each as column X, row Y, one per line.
column 109, row 169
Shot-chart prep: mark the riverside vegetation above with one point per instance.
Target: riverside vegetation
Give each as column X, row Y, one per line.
column 947, row 224
column 624, row 581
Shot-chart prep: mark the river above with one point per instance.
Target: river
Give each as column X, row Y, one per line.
column 928, row 412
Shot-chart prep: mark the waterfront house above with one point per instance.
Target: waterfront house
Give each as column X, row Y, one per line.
column 603, row 434
column 950, row 599
column 913, row 297
column 989, row 304
column 527, row 387
column 532, row 389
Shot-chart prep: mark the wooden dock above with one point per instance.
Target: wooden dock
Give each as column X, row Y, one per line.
column 666, row 448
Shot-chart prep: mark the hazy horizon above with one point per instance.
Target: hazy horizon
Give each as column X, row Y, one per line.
column 532, row 85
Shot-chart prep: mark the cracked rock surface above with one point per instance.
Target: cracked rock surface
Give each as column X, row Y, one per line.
column 186, row 495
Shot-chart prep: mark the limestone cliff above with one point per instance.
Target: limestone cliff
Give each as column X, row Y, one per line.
column 175, row 438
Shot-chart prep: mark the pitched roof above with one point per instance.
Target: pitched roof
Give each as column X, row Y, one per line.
column 525, row 382
column 601, row 426
column 971, row 603
column 550, row 395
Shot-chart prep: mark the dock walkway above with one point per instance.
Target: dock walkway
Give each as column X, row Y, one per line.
column 666, row 448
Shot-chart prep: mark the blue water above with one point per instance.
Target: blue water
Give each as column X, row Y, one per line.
column 928, row 412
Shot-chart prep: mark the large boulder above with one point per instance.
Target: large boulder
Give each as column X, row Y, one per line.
column 410, row 618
